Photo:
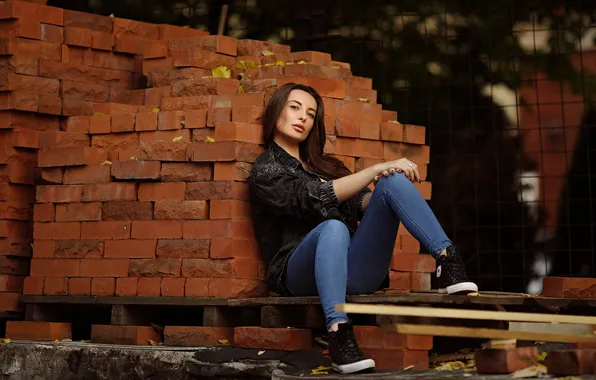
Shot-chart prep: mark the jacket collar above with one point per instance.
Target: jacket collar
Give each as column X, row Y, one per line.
column 284, row 156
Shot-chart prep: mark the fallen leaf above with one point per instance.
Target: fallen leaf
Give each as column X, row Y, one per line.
column 106, row 162
column 474, row 294
column 6, row 340
column 260, row 353
column 153, row 343
column 112, row 15
column 66, row 340
column 98, row 114
column 394, row 121
column 451, row 366
column 178, row 138
column 364, row 100
column 302, row 62
column 280, row 63
column 243, row 65
column 240, row 90
column 533, row 371
column 221, row 72
column 134, row 158
column 267, row 52
column 542, row 356
column 408, row 368
column 85, row 341
column 156, row 110
column 241, row 75
column 224, row 342
column 209, row 139
column 320, row 370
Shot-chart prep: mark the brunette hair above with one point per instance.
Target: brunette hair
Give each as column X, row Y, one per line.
column 312, row 148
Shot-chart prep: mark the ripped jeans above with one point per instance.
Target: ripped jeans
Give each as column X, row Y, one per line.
column 330, row 263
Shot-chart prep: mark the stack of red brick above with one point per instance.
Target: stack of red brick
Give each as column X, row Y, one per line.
column 142, row 191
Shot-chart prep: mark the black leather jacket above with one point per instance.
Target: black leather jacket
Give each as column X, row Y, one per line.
column 287, row 202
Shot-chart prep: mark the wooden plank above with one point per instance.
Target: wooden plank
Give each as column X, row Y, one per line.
column 170, row 301
column 463, row 314
column 481, row 333
column 558, row 328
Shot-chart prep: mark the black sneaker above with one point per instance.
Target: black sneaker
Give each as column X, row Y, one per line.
column 346, row 356
column 451, row 274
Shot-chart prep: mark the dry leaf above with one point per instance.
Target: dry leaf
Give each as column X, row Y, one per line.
column 98, row 114
column 224, row 342
column 533, row 371
column 474, row 294
column 243, row 65
column 66, row 340
column 209, row 139
column 178, row 138
column 241, row 75
column 542, row 356
column 450, row 366
column 106, row 162
column 153, row 343
column 320, row 370
column 134, row 158
column 364, row 100
column 240, row 90
column 302, row 62
column 221, row 72
column 156, row 110
column 260, row 353
column 280, row 63
column 6, row 340
column 394, row 121
column 267, row 52
column 112, row 15
column 85, row 341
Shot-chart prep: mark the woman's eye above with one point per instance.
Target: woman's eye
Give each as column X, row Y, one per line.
column 294, row 107
column 312, row 116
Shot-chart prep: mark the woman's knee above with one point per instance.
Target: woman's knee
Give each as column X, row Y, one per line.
column 334, row 229
column 394, row 181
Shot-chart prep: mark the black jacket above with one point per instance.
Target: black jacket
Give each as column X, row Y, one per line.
column 287, row 202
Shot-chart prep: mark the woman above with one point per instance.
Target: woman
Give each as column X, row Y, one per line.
column 306, row 206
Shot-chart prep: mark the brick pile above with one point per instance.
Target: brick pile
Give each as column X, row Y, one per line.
column 569, row 287
column 144, row 137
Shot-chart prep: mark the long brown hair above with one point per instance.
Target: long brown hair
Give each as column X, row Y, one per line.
column 312, row 148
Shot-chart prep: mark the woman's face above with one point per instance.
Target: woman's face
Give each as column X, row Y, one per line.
column 297, row 117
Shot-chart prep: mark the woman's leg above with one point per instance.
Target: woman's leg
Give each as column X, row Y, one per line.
column 319, row 265
column 394, row 200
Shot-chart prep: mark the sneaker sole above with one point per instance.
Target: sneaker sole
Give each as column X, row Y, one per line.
column 462, row 287
column 361, row 365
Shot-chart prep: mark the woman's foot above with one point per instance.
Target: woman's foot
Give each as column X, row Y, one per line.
column 345, row 353
column 451, row 274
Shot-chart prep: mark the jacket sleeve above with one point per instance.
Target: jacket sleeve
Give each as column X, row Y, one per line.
column 359, row 199
column 287, row 194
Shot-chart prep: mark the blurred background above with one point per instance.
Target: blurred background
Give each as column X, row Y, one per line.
column 503, row 87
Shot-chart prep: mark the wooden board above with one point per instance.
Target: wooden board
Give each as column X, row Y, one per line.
column 552, row 328
column 168, row 301
column 480, row 333
column 463, row 314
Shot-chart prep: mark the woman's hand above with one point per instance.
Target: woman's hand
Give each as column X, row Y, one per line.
column 403, row 165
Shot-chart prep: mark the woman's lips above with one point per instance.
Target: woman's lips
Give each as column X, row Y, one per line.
column 298, row 127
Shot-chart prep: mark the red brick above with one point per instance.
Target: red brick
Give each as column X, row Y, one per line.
column 103, row 286
column 370, row 130
column 360, row 82
column 127, row 286
column 43, row 212
column 162, row 191
column 87, row 174
column 79, row 286
column 234, row 249
column 127, row 210
column 55, row 267
column 31, row 48
column 217, row 116
column 571, row 362
column 425, row 189
column 360, row 94
column 87, row 20
column 72, row 212
column 105, row 192
column 409, row 244
column 374, row 337
column 51, row 176
column 11, row 284
column 217, row 190
column 26, row 330
column 119, row 146
column 229, row 209
column 186, row 172
column 149, row 287
column 157, row 64
column 104, row 267
column 77, row 249
column 114, row 108
column 389, row 115
column 106, row 230
column 156, row 229
column 33, row 285
column 312, row 70
column 163, row 151
column 77, row 36
column 130, row 249
column 205, row 268
column 146, row 121
column 122, row 95
column 57, row 230
column 53, row 68
column 183, row 248
column 251, row 115
column 215, row 229
column 186, row 103
column 201, row 58
column 216, row 43
column 397, row 359
column 198, row 336
column 314, row 57
column 129, row 44
column 197, row 287
column 76, row 107
column 256, row 47
column 154, row 96
column 123, row 123
column 399, row 282
column 420, row 281
column 236, row 288
column 136, row 170
column 17, row 82
column 252, row 133
column 331, row 88
column 173, row 287
column 205, row 86
column 10, row 302
column 78, row 124
column 232, row 171
column 131, row 335
column 19, row 28
column 392, row 131
column 71, row 157
column 170, row 120
column 57, row 139
column 286, row 339
column 411, row 262
column 102, row 40
column 155, row 49
column 167, row 32
column 43, row 249
column 414, row 134
column 20, row 65
column 179, row 209
column 223, row 151
column 569, row 287
column 495, row 360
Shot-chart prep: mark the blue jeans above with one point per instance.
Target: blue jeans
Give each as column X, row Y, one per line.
column 330, row 264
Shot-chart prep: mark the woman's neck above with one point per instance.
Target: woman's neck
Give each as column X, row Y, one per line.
column 292, row 149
